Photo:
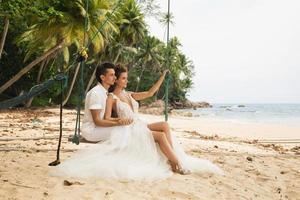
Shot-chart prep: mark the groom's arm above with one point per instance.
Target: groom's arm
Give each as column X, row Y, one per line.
column 108, row 122
column 103, row 122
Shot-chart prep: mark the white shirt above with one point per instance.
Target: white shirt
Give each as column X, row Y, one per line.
column 95, row 99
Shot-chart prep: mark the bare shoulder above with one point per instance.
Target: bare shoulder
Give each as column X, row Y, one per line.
column 111, row 97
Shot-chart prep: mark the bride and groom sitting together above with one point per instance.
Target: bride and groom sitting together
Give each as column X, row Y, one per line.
column 127, row 148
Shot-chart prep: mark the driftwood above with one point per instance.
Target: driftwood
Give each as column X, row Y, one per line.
column 34, row 149
column 69, row 137
column 47, row 128
column 30, row 138
column 56, row 129
column 194, row 134
column 243, row 154
column 25, row 186
column 278, row 141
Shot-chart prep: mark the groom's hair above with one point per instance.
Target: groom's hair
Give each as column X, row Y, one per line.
column 102, row 69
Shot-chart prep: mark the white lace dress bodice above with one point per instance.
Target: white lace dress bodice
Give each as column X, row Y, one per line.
column 124, row 110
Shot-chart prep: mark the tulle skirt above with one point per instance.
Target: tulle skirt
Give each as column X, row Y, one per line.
column 130, row 154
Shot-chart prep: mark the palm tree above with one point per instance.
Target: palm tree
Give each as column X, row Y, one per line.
column 29, row 66
column 150, row 7
column 149, row 54
column 97, row 12
column 181, row 70
column 132, row 29
column 65, row 28
column 131, row 23
column 10, row 9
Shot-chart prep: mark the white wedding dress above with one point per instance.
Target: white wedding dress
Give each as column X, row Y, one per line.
column 130, row 154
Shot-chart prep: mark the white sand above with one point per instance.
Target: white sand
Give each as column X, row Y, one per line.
column 273, row 173
column 245, row 130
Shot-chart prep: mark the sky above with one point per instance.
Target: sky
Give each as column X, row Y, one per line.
column 244, row 51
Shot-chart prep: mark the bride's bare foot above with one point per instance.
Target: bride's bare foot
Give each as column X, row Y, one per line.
column 183, row 171
column 176, row 168
column 173, row 166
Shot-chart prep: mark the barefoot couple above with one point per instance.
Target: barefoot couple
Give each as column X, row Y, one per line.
column 130, row 149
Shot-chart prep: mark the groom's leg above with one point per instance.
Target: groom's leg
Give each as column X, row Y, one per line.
column 98, row 134
column 162, row 127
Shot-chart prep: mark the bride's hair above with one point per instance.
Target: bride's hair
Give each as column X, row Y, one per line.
column 119, row 69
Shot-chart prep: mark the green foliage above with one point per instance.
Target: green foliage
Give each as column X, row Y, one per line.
column 38, row 25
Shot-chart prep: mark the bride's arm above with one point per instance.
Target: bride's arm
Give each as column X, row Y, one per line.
column 151, row 92
column 109, row 107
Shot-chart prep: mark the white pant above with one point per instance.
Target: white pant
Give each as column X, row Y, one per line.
column 96, row 133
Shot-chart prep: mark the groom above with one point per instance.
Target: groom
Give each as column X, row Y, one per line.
column 94, row 127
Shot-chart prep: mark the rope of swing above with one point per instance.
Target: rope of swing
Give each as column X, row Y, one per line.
column 76, row 136
column 168, row 64
column 82, row 59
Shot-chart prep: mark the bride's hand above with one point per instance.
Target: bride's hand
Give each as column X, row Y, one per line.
column 128, row 121
column 125, row 121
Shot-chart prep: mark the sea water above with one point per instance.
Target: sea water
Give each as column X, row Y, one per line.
column 288, row 114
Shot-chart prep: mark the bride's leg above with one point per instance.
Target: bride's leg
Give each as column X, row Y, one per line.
column 162, row 127
column 165, row 147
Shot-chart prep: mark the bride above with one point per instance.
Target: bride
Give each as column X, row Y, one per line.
column 133, row 152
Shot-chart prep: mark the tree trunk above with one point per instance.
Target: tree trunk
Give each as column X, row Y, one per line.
column 92, row 78
column 90, row 81
column 30, row 66
column 140, row 77
column 72, row 84
column 117, row 57
column 6, row 24
column 38, row 80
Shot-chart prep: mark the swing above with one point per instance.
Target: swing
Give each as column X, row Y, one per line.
column 81, row 57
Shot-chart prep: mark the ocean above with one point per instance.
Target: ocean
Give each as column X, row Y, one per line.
column 287, row 114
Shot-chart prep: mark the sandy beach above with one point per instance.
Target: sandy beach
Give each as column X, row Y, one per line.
column 254, row 168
